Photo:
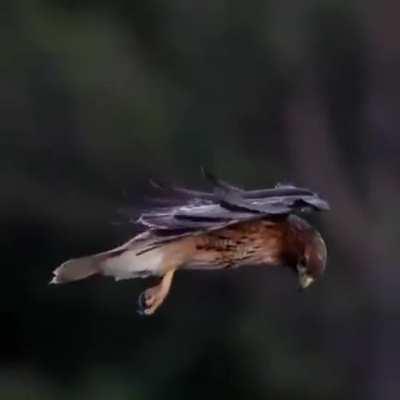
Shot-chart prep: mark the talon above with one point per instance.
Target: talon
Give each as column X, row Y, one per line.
column 141, row 302
column 152, row 298
column 146, row 301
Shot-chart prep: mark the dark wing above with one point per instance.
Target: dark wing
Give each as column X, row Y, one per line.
column 186, row 212
column 227, row 204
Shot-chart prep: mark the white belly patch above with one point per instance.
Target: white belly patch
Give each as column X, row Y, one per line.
column 128, row 265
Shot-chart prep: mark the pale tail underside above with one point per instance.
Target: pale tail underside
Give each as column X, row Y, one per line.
column 124, row 262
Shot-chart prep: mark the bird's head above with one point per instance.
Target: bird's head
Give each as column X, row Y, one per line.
column 313, row 261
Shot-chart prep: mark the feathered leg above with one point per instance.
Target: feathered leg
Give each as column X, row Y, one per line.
column 153, row 297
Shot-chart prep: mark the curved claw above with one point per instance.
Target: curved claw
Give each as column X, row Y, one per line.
column 148, row 301
column 141, row 304
column 152, row 298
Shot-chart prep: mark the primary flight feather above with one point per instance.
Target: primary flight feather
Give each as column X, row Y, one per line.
column 228, row 227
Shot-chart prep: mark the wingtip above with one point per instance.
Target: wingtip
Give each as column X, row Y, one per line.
column 208, row 175
column 218, row 183
column 156, row 184
column 321, row 203
column 325, row 205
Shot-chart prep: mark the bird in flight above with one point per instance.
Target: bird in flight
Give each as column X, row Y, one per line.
column 226, row 228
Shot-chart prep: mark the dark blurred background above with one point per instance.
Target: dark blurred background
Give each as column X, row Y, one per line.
column 99, row 96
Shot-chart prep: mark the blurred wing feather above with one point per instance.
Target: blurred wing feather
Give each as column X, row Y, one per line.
column 190, row 212
column 204, row 210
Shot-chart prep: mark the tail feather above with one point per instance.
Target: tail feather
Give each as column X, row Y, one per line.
column 123, row 262
column 76, row 269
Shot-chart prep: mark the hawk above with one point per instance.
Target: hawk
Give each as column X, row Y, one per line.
column 226, row 228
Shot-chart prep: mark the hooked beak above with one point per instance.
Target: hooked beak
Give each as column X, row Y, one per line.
column 305, row 279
